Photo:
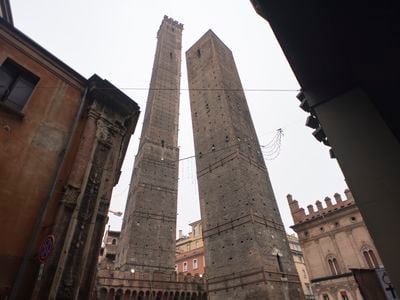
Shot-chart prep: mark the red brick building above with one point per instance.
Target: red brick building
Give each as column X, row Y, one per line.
column 190, row 251
column 62, row 142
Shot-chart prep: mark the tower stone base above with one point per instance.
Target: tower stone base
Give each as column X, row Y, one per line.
column 124, row 285
column 255, row 284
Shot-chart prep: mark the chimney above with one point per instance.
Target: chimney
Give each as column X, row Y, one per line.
column 310, row 209
column 319, row 205
column 180, row 234
column 328, row 202
column 338, row 199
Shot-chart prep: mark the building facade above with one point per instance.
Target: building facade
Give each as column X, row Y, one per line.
column 348, row 76
column 109, row 249
column 190, row 251
column 144, row 266
column 149, row 226
column 190, row 256
column 5, row 11
column 63, row 138
column 246, row 249
column 334, row 240
column 299, row 262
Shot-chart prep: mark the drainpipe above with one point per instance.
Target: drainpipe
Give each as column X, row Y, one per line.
column 18, row 284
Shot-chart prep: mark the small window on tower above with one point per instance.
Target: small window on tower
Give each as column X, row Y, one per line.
column 278, row 258
column 170, row 55
column 198, row 53
column 162, row 143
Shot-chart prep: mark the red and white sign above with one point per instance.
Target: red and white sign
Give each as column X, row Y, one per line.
column 46, row 248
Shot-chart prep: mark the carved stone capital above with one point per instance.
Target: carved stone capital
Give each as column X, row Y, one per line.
column 70, row 196
column 104, row 131
column 103, row 208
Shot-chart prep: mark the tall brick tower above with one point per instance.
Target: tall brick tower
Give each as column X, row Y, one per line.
column 246, row 249
column 149, row 226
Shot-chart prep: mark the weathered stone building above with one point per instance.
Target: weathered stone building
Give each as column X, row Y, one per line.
column 190, row 256
column 144, row 268
column 115, row 284
column 149, row 225
column 334, row 240
column 62, row 141
column 247, row 252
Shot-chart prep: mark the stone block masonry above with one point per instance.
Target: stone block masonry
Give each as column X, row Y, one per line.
column 149, row 225
column 246, row 249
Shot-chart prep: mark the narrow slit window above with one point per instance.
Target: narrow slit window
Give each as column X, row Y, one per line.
column 278, row 258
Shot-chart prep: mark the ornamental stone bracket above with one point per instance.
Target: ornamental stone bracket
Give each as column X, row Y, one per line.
column 70, row 196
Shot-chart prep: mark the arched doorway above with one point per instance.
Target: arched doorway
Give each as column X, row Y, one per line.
column 140, row 296
column 134, row 295
column 176, row 296
column 119, row 294
column 111, row 294
column 103, row 294
column 158, row 296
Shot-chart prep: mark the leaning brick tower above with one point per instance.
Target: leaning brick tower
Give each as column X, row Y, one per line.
column 149, row 225
column 246, row 249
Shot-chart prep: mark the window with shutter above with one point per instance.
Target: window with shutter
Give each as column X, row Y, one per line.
column 16, row 85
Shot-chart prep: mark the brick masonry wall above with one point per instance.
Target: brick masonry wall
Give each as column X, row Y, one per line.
column 149, row 225
column 242, row 228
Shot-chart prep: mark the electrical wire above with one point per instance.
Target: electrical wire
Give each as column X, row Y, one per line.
column 176, row 89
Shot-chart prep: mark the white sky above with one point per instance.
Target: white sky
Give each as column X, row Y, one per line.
column 117, row 40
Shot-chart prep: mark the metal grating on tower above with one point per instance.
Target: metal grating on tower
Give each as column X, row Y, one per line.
column 149, row 225
column 246, row 249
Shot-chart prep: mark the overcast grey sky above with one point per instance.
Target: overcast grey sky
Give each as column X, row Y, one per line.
column 117, row 40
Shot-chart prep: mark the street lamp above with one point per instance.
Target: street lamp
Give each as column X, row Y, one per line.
column 115, row 213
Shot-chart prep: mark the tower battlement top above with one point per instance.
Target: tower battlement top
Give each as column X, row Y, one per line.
column 299, row 215
column 172, row 22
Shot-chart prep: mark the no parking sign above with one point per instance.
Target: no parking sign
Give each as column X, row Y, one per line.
column 46, row 248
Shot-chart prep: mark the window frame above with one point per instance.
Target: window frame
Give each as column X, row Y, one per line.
column 185, row 266
column 195, row 264
column 370, row 258
column 334, row 266
column 19, row 77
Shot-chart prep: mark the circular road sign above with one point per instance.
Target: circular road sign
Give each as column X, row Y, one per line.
column 46, row 248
